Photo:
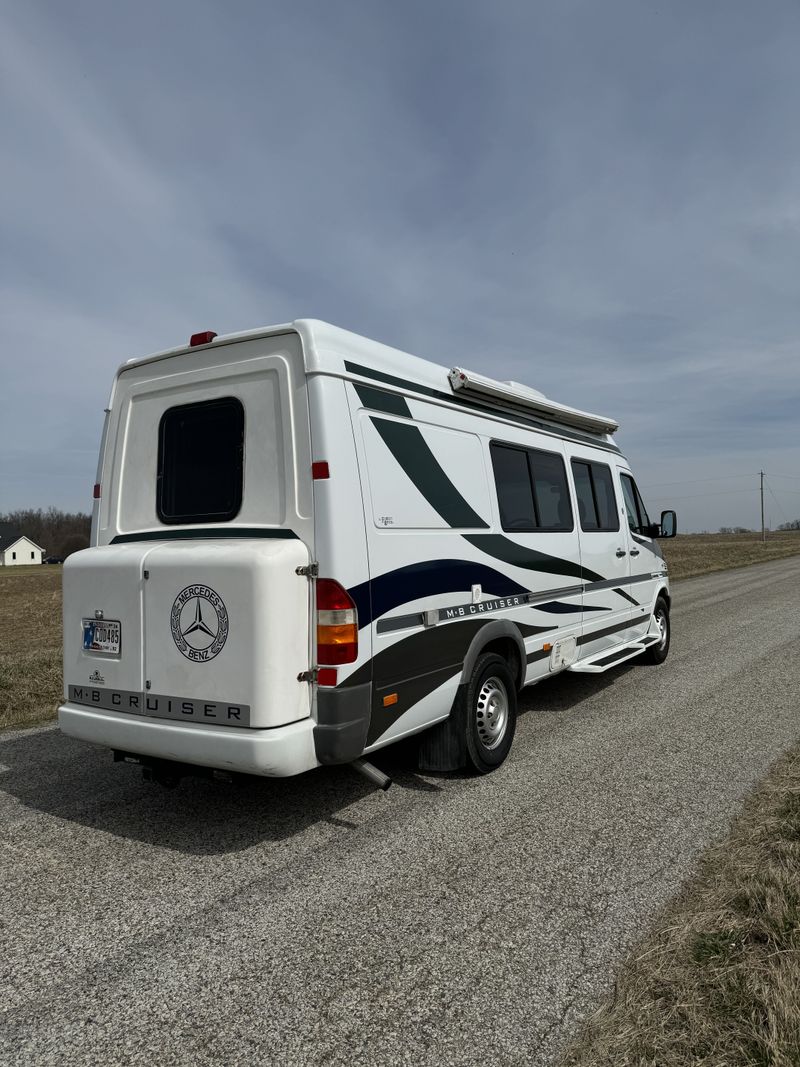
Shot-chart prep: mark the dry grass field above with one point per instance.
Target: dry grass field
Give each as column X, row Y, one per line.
column 718, row 981
column 30, row 644
column 691, row 554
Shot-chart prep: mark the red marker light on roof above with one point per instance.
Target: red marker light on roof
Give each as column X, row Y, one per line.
column 320, row 469
column 96, row 491
column 204, row 338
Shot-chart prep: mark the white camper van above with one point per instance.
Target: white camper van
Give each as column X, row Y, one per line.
column 307, row 545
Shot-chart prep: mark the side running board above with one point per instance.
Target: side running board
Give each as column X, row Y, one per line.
column 604, row 661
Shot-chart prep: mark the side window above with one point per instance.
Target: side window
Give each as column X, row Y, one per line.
column 514, row 493
column 532, row 490
column 597, row 502
column 638, row 519
column 550, row 492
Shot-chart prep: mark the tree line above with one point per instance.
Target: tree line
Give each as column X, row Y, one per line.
column 59, row 533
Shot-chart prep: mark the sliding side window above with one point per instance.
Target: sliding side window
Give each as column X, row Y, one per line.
column 597, row 502
column 201, row 462
column 532, row 490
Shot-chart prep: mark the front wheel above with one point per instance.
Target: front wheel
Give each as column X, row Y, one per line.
column 659, row 650
column 489, row 713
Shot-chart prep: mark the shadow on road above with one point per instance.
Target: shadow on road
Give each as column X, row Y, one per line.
column 78, row 783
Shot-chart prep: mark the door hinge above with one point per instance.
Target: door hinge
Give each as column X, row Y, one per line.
column 311, row 571
column 308, row 676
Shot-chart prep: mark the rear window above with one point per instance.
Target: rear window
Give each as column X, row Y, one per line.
column 201, row 462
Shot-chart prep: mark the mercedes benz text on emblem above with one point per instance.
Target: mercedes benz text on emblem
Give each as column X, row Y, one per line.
column 199, row 623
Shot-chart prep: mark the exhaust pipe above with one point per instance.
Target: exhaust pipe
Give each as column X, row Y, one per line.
column 371, row 772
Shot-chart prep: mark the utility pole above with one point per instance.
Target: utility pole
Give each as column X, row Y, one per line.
column 763, row 528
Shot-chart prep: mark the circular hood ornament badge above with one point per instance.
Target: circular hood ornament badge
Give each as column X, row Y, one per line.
column 199, row 623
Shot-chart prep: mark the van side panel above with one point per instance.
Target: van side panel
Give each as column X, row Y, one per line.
column 445, row 577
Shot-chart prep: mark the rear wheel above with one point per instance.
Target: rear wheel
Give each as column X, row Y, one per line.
column 659, row 650
column 489, row 713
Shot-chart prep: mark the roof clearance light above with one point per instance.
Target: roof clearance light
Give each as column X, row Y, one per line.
column 320, row 469
column 204, row 338
column 96, row 491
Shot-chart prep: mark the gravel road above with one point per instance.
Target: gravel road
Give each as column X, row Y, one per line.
column 448, row 921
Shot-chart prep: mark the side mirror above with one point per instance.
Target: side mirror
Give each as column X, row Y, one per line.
column 669, row 524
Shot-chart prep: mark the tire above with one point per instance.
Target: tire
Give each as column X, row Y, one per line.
column 657, row 653
column 488, row 713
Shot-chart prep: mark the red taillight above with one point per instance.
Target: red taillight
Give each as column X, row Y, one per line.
column 204, row 338
column 337, row 624
column 96, row 492
column 326, row 676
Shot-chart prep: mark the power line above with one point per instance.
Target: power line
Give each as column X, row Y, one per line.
column 780, row 509
column 697, row 481
column 723, row 492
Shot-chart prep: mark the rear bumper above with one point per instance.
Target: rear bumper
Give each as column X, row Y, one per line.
column 276, row 753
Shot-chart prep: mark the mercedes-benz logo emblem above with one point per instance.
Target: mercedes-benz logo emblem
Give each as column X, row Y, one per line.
column 199, row 623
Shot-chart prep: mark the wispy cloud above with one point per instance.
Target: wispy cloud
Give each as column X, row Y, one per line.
column 600, row 200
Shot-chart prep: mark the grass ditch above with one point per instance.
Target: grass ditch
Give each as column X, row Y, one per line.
column 718, row 980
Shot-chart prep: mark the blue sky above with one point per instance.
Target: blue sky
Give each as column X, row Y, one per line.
column 599, row 199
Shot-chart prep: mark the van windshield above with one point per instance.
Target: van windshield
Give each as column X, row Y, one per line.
column 201, row 462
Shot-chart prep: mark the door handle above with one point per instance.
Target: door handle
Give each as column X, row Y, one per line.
column 620, row 553
column 634, row 551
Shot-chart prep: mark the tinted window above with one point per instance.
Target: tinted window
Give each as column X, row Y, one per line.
column 531, row 490
column 638, row 519
column 200, row 462
column 550, row 492
column 597, row 502
column 514, row 493
column 605, row 497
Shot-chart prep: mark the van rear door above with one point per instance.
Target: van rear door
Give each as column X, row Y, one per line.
column 204, row 519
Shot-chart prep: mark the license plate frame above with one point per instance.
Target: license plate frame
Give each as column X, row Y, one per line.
column 102, row 637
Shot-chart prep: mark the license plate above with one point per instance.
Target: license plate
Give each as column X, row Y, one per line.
column 102, row 635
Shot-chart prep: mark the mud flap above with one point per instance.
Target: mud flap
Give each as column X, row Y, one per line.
column 444, row 746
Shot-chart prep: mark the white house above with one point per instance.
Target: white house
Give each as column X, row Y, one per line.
column 16, row 549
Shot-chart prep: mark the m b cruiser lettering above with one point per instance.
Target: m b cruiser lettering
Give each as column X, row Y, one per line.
column 481, row 608
column 162, row 707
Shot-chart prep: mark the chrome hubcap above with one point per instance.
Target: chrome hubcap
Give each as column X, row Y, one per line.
column 661, row 619
column 492, row 712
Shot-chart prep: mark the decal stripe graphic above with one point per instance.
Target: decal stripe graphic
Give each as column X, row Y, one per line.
column 418, row 580
column 528, row 558
column 625, row 596
column 463, row 402
column 378, row 400
column 556, row 607
column 584, row 639
column 411, row 451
